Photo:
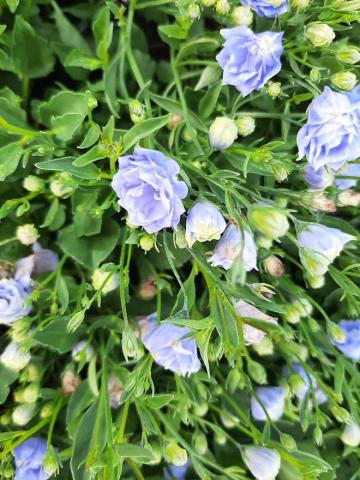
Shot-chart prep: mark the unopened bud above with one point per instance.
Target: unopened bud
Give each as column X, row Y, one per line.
column 31, row 393
column 147, row 242
column 263, row 242
column 296, row 383
column 136, row 110
column 264, row 347
column 344, row 80
column 222, row 7
column 91, row 101
column 245, row 125
column 315, row 281
column 174, row 454
column 350, row 55
column 320, row 34
column 222, row 133
column 315, row 75
column 341, row 414
column 257, row 372
column 287, row 442
column 180, row 237
column 31, row 183
column 303, row 306
column 336, row 333
column 274, row 89
column 175, row 120
column 147, row 289
column 193, row 11
column 349, row 198
column 62, row 185
column 14, row 357
column 268, row 220
column 351, row 435
column 129, row 344
column 27, row 234
column 47, row 410
column 8, row 471
column 5, row 419
column 69, row 382
column 300, row 4
column 318, row 436
column 98, row 278
column 233, row 380
column 242, row 16
column 274, row 266
column 50, row 462
column 291, row 314
column 280, row 172
column 201, row 409
column 228, row 420
column 31, row 373
column 319, row 201
column 207, row 3
column 200, row 443
column 23, row 414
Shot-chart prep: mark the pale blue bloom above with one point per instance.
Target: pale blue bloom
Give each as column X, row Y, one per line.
column 172, row 472
column 264, row 463
column 41, row 261
column 170, row 346
column 266, row 8
column 331, row 135
column 352, row 170
column 147, row 187
column 273, row 399
column 249, row 59
column 13, row 294
column 28, row 459
column 234, row 243
column 350, row 347
column 204, row 222
column 318, row 179
column 308, row 380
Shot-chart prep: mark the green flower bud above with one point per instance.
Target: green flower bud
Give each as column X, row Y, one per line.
column 220, row 438
column 287, row 442
column 5, row 419
column 129, row 344
column 98, row 278
column 344, row 80
column 51, row 462
column 318, row 436
column 193, row 11
column 228, row 420
column 31, row 183
column 291, row 314
column 222, row 133
column 336, row 333
column 47, row 410
column 242, row 16
column 174, row 454
column 257, row 372
column 350, row 55
column 233, row 380
column 27, row 234
column 62, row 185
column 341, row 414
column 263, row 242
column 207, row 3
column 280, row 173
column 315, row 281
column 201, row 409
column 222, row 7
column 200, row 443
column 300, row 5
column 23, row 414
column 155, row 449
column 268, row 220
column 351, row 435
column 320, row 34
column 180, row 237
column 136, row 110
column 31, row 373
column 315, row 75
column 31, row 393
column 8, row 471
column 245, row 125
column 295, row 383
column 147, row 242
column 274, row 89
column 264, row 347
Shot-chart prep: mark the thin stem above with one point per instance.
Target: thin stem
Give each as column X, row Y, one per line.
column 121, row 433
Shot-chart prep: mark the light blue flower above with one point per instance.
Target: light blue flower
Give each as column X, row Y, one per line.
column 147, row 187
column 309, row 381
column 352, row 170
column 41, row 261
column 331, row 135
column 170, row 346
column 204, row 222
column 273, row 399
column 264, row 463
column 264, row 8
column 350, row 347
column 28, row 459
column 249, row 59
column 318, row 179
column 13, row 294
column 234, row 243
column 172, row 472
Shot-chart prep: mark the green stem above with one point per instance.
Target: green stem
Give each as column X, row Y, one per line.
column 121, row 433
column 135, row 469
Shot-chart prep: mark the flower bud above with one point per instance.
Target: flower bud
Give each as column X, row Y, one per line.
column 351, row 435
column 233, row 380
column 264, row 347
column 263, row 242
column 287, row 442
column 349, row 198
column 174, row 454
column 303, row 306
column 136, row 110
column 200, row 443
column 129, row 344
column 5, row 419
column 91, row 100
column 280, row 172
column 30, row 374
column 27, row 234
column 336, row 333
column 222, row 133
column 222, row 7
column 242, row 16
column 319, row 201
column 62, row 185
column 341, row 414
column 193, row 11
column 274, row 266
column 264, row 463
column 350, row 55
column 180, row 237
column 203, row 223
column 14, row 358
column 228, row 420
column 175, row 120
column 315, row 281
column 69, row 382
column 47, row 410
column 31, row 183
column 50, row 462
column 31, row 393
column 300, row 4
column 318, row 436
column 201, row 409
column 257, row 372
column 291, row 314
column 274, row 89
column 115, row 390
column 320, row 34
column 344, row 80
column 315, row 75
column 147, row 289
column 81, row 351
column 22, row 414
column 147, row 242
column 98, row 278
column 8, row 471
column 220, row 438
column 268, row 220
column 245, row 125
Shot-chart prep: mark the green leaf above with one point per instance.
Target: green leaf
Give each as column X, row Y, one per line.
column 32, row 54
column 12, row 4
column 61, row 104
column 82, row 444
column 7, row 377
column 67, row 125
column 66, row 164
column 79, row 401
column 91, row 136
column 103, row 32
column 77, row 58
column 209, row 101
column 55, row 336
column 97, row 152
column 127, row 450
column 157, row 401
column 90, row 251
column 51, row 213
column 172, row 31
column 142, row 130
column 68, row 33
column 10, row 155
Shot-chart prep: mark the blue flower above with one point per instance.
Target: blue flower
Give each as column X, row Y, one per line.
column 352, row 170
column 318, row 179
column 147, row 187
column 170, row 346
column 350, row 347
column 172, row 472
column 41, row 261
column 28, row 459
column 204, row 222
column 273, row 399
column 266, row 8
column 331, row 135
column 308, row 380
column 13, row 294
column 234, row 243
column 249, row 59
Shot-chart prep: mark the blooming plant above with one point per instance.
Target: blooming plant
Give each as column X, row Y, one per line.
column 179, row 261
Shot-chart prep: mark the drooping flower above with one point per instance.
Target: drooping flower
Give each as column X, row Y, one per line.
column 222, row 133
column 350, row 347
column 28, row 459
column 272, row 398
column 234, row 243
column 14, row 358
column 170, row 346
column 249, row 59
column 13, row 294
column 308, row 381
column 319, row 246
column 204, row 222
column 264, row 8
column 331, row 135
column 147, row 187
column 41, row 261
column 318, row 179
column 251, row 334
column 352, row 170
column 351, row 435
column 264, row 463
